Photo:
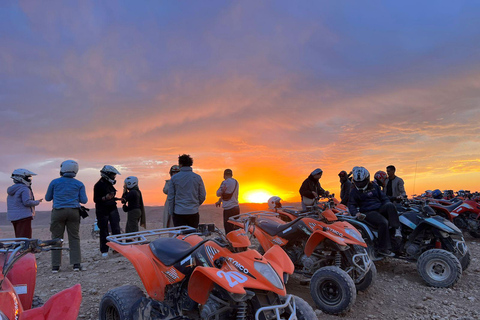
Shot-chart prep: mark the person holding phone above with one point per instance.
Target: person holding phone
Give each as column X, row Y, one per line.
column 106, row 206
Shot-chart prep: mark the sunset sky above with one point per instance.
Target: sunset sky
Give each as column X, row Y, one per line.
column 270, row 89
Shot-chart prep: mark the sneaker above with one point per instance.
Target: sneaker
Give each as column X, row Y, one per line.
column 77, row 267
column 398, row 233
column 104, row 254
column 386, row 253
column 55, row 269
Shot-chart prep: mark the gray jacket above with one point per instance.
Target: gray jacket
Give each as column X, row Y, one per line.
column 186, row 192
column 20, row 202
column 398, row 188
column 229, row 185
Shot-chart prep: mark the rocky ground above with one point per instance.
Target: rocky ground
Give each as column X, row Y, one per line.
column 398, row 292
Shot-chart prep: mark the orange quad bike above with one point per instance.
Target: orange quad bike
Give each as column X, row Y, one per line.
column 17, row 284
column 330, row 253
column 187, row 274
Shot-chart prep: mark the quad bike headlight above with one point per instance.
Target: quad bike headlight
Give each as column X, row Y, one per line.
column 355, row 234
column 269, row 273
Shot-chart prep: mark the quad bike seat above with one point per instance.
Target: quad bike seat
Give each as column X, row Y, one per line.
column 450, row 208
column 274, row 226
column 170, row 250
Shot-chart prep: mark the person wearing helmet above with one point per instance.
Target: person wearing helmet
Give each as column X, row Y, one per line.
column 380, row 178
column 311, row 188
column 106, row 205
column 185, row 194
column 167, row 216
column 395, row 188
column 67, row 194
column 367, row 198
column 345, row 187
column 133, row 204
column 228, row 193
column 21, row 203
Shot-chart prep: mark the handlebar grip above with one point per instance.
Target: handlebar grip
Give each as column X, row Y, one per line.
column 53, row 242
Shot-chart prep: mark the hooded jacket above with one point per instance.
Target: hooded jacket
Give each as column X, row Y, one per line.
column 369, row 200
column 309, row 186
column 20, row 202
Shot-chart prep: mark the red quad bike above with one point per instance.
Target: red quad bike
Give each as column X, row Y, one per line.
column 328, row 252
column 17, row 284
column 464, row 214
column 186, row 274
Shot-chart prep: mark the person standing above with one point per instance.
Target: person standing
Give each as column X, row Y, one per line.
column 185, row 194
column 228, row 193
column 167, row 216
column 21, row 203
column 311, row 188
column 106, row 205
column 395, row 188
column 67, row 193
column 345, row 187
column 133, row 205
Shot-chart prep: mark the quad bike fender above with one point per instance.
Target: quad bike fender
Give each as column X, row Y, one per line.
column 148, row 267
column 65, row 305
column 444, row 225
column 317, row 237
column 441, row 210
column 23, row 277
column 276, row 255
column 202, row 282
column 363, row 228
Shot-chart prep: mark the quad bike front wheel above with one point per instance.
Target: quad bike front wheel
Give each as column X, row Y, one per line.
column 304, row 310
column 117, row 303
column 439, row 268
column 332, row 290
column 465, row 260
column 367, row 280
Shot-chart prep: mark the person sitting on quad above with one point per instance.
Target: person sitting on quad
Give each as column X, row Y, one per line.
column 367, row 198
column 380, row 178
column 345, row 187
column 311, row 188
column 394, row 188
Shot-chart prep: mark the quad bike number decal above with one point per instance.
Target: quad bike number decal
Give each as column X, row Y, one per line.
column 233, row 277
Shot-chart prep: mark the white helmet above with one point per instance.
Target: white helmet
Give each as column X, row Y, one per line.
column 69, row 166
column 361, row 178
column 131, row 182
column 109, row 173
column 23, row 176
column 274, row 202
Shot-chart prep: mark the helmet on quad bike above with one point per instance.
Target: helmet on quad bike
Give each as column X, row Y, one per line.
column 361, row 178
column 23, row 176
column 70, row 167
column 380, row 177
column 131, row 182
column 109, row 173
column 274, row 202
column 437, row 194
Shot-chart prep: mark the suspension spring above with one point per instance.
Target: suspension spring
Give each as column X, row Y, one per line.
column 338, row 259
column 242, row 311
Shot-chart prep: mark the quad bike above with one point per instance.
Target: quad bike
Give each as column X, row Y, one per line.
column 435, row 243
column 17, row 284
column 332, row 254
column 186, row 274
column 464, row 214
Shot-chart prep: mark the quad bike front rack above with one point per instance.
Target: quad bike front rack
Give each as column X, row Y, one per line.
column 142, row 237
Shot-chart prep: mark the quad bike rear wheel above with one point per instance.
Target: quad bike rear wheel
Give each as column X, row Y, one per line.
column 332, row 290
column 117, row 303
column 439, row 268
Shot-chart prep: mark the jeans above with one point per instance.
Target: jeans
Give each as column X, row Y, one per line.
column 227, row 214
column 66, row 218
column 103, row 218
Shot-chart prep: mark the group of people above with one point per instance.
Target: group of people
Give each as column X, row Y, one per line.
column 362, row 196
column 185, row 193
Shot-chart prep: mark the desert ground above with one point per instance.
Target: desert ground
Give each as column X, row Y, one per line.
column 398, row 292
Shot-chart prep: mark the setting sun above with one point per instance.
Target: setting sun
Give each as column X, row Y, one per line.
column 256, row 196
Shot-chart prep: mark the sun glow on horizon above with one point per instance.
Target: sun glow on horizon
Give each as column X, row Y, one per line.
column 256, row 196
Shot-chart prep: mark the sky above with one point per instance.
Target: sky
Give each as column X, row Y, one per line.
column 270, row 89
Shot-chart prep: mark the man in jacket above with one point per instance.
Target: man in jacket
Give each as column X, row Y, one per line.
column 311, row 188
column 395, row 188
column 67, row 193
column 185, row 194
column 228, row 193
column 345, row 187
column 106, row 206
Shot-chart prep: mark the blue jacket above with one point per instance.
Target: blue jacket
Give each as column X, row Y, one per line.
column 369, row 200
column 66, row 192
column 186, row 192
column 20, row 202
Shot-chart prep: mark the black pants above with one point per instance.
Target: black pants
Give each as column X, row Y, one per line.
column 103, row 218
column 383, row 219
column 191, row 220
column 227, row 214
column 23, row 227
